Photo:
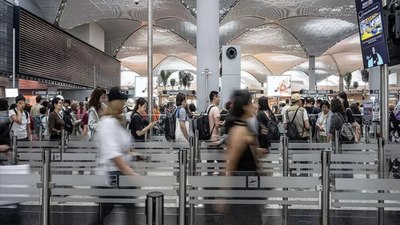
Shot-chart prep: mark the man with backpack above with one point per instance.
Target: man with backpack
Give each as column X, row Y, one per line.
column 214, row 116
column 295, row 120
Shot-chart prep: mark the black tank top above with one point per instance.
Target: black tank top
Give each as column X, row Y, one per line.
column 246, row 162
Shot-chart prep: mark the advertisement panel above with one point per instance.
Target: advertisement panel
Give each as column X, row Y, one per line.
column 141, row 85
column 373, row 41
column 279, row 86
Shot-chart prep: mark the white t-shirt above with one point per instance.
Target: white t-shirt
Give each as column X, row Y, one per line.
column 214, row 113
column 113, row 141
column 283, row 111
column 20, row 130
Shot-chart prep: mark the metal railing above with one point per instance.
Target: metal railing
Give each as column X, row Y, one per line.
column 281, row 186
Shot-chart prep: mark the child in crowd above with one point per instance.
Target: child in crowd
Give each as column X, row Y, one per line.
column 43, row 120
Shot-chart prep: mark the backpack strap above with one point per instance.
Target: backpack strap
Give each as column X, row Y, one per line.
column 12, row 121
column 294, row 117
column 342, row 119
column 176, row 112
column 208, row 112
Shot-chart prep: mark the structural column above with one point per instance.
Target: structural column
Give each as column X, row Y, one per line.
column 207, row 50
column 311, row 73
column 150, row 58
column 384, row 95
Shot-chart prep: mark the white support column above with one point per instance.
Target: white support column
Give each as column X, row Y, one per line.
column 311, row 73
column 150, row 58
column 207, row 50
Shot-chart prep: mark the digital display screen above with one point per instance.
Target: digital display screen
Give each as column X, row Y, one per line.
column 47, row 52
column 371, row 26
column 373, row 41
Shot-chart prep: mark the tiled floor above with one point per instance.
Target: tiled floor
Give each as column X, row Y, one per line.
column 82, row 215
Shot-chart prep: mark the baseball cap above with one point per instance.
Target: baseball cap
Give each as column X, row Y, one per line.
column 115, row 94
column 295, row 97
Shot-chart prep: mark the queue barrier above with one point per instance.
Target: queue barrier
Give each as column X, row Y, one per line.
column 287, row 190
column 366, row 193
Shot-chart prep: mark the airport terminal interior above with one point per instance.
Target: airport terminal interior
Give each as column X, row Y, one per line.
column 215, row 112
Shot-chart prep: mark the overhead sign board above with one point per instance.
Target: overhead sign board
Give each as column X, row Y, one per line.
column 373, row 41
column 279, row 86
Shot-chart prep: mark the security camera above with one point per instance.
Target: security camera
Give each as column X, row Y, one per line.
column 231, row 53
column 136, row 2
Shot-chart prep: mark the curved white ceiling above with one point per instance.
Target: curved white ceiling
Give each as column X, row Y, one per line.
column 275, row 35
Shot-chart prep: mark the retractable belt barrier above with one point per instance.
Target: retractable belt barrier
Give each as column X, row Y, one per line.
column 269, row 187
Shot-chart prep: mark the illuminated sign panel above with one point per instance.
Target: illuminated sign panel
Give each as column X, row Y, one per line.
column 373, row 42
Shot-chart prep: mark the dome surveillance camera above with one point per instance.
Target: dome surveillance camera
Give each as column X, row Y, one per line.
column 136, row 2
column 231, row 53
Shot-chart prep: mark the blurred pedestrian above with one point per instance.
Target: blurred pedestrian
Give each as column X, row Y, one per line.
column 115, row 144
column 243, row 154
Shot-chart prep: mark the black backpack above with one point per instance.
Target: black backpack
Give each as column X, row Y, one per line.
column 292, row 132
column 202, row 124
column 271, row 124
column 169, row 123
column 394, row 167
column 346, row 132
column 37, row 123
column 69, row 126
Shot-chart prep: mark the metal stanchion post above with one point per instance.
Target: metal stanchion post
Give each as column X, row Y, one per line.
column 285, row 155
column 192, row 171
column 155, row 208
column 197, row 145
column 325, row 183
column 336, row 149
column 182, row 186
column 46, row 192
column 381, row 175
column 62, row 143
column 192, row 156
column 14, row 153
column 366, row 134
column 311, row 135
column 40, row 133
